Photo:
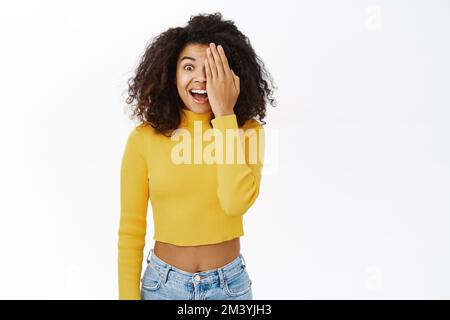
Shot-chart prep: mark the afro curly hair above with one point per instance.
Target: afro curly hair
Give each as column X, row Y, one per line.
column 152, row 91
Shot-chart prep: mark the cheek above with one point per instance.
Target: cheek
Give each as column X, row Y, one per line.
column 183, row 81
column 182, row 85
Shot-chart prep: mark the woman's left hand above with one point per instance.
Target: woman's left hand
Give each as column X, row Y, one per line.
column 222, row 84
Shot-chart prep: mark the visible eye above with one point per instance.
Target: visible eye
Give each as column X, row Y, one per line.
column 188, row 65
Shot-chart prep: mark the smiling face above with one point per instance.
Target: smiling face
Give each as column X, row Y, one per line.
column 191, row 74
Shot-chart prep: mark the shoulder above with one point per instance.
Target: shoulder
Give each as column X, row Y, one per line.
column 139, row 135
column 141, row 131
column 251, row 129
column 135, row 134
column 252, row 124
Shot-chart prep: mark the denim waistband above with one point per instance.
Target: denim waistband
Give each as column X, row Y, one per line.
column 210, row 276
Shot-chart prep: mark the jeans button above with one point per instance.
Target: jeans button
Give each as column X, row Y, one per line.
column 197, row 277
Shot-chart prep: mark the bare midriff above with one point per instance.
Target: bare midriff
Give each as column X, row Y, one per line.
column 198, row 258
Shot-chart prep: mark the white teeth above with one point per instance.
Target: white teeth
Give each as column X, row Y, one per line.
column 198, row 91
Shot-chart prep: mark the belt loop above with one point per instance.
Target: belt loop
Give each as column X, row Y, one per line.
column 243, row 260
column 166, row 274
column 148, row 255
column 222, row 281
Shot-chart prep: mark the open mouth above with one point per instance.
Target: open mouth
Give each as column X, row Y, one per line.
column 199, row 96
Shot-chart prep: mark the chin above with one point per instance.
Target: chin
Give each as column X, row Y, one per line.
column 199, row 109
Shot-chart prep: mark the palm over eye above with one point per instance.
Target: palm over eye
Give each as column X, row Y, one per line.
column 222, row 83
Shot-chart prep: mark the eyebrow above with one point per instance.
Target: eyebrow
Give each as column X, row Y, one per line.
column 186, row 57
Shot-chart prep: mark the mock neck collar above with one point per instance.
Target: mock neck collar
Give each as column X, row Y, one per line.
column 188, row 117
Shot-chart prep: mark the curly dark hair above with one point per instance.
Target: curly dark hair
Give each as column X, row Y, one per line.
column 152, row 92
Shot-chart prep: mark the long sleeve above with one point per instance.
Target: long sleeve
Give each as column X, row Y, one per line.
column 134, row 195
column 238, row 181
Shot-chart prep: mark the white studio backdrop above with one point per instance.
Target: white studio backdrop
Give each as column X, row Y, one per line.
column 355, row 196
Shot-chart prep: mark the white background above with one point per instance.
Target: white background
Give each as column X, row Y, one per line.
column 354, row 203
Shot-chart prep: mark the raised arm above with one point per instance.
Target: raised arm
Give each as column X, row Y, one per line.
column 239, row 182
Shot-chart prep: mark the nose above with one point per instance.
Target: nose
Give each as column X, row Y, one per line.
column 200, row 75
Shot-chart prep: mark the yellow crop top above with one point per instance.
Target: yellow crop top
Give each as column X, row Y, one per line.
column 199, row 186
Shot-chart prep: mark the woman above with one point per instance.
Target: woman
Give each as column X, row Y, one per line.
column 196, row 91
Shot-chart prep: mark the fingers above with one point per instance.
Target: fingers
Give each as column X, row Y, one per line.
column 208, row 71
column 211, row 63
column 217, row 60
column 224, row 59
column 237, row 82
column 216, row 63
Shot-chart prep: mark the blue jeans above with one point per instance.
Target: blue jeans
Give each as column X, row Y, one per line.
column 162, row 281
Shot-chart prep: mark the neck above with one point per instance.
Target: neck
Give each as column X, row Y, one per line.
column 188, row 118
